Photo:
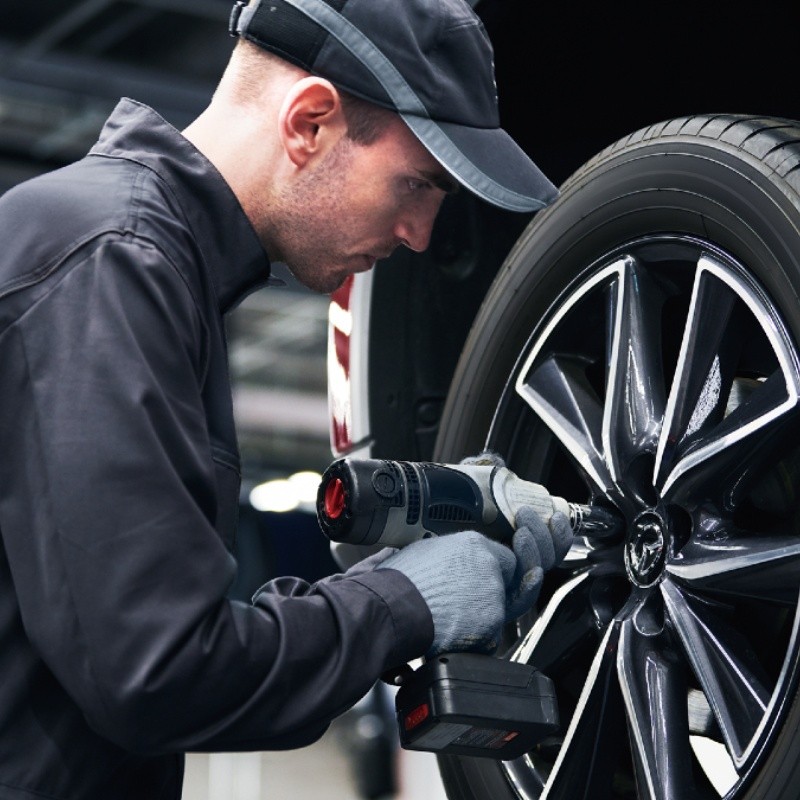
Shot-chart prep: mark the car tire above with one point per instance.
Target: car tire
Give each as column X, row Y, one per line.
column 639, row 349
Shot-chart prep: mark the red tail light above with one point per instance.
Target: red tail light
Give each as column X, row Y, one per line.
column 340, row 326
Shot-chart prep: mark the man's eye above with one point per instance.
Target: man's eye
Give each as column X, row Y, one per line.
column 416, row 185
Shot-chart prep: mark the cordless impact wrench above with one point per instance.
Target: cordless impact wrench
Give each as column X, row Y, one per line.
column 457, row 703
column 394, row 503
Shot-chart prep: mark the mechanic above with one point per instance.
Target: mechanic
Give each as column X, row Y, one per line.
column 334, row 134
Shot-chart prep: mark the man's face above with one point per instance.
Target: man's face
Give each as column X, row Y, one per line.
column 356, row 206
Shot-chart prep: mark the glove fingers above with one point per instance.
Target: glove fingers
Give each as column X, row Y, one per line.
column 528, row 518
column 526, row 594
column 526, row 549
column 562, row 535
column 538, row 547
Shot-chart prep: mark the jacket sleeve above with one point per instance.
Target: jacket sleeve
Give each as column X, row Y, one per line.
column 106, row 506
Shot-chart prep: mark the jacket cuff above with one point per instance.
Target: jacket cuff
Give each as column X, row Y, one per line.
column 413, row 623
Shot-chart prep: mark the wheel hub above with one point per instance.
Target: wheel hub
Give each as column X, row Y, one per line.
column 646, row 549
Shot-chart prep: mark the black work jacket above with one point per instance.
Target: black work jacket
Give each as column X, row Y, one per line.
column 119, row 485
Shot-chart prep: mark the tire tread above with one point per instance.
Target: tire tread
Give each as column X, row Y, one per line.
column 773, row 141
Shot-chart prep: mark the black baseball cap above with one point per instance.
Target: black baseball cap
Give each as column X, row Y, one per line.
column 429, row 60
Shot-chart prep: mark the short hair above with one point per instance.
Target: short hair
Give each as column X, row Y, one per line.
column 366, row 122
column 251, row 66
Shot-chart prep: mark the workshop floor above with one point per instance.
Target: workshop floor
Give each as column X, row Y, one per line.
column 310, row 773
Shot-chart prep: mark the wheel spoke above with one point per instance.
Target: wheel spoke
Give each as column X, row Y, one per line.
column 723, row 468
column 556, row 387
column 725, row 665
column 560, row 394
column 635, row 396
column 654, row 690
column 697, row 396
column 588, row 756
column 694, row 430
column 760, row 567
column 565, row 626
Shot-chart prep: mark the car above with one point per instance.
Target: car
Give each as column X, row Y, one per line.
column 636, row 344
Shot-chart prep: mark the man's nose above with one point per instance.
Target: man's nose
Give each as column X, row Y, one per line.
column 414, row 228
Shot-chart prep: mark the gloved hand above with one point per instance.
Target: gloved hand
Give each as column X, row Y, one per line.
column 538, row 548
column 465, row 579
column 348, row 555
column 474, row 585
column 370, row 562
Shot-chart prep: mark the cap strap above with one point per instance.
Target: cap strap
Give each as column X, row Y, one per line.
column 241, row 14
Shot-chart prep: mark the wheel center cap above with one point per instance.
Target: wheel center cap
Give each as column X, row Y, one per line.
column 646, row 549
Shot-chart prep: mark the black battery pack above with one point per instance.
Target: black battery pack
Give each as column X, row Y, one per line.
column 474, row 705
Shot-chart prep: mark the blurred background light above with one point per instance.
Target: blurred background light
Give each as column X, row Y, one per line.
column 298, row 491
column 275, row 495
column 305, row 485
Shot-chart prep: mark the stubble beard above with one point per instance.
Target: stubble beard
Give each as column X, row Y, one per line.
column 310, row 222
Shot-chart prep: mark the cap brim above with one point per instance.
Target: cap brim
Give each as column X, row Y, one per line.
column 487, row 162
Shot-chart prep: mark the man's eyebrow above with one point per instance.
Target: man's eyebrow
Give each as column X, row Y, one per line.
column 441, row 180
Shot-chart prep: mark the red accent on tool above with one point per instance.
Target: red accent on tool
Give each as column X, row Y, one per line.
column 413, row 718
column 334, row 499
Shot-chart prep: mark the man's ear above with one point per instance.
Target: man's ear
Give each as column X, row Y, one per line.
column 311, row 119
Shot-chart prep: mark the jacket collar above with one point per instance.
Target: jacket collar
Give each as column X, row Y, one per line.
column 236, row 259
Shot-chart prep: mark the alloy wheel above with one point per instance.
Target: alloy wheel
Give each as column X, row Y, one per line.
column 663, row 383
